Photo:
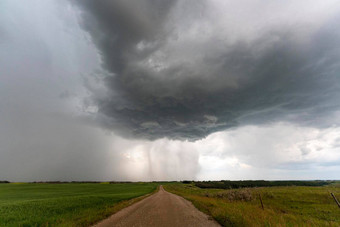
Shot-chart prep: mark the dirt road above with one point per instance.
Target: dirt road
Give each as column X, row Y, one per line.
column 160, row 209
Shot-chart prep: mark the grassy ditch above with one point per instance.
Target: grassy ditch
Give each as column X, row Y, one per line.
column 283, row 206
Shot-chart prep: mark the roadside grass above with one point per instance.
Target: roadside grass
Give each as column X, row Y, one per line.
column 283, row 206
column 70, row 204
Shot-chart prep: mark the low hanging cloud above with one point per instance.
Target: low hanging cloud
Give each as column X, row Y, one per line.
column 184, row 69
column 45, row 132
column 178, row 69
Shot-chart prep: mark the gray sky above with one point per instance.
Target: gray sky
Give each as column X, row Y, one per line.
column 169, row 90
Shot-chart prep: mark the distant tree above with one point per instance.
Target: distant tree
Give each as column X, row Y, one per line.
column 257, row 183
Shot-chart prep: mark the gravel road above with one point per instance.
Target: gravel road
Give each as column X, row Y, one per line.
column 160, row 209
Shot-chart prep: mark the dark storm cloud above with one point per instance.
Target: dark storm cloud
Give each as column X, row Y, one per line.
column 176, row 72
column 45, row 134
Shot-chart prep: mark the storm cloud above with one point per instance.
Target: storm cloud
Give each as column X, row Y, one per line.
column 185, row 69
column 46, row 132
column 169, row 90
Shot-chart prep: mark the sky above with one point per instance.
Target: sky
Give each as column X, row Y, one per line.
column 144, row 90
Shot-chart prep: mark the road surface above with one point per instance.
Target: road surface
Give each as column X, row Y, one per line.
column 160, row 209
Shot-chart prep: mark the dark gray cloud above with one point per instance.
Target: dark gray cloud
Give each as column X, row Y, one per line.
column 181, row 70
column 45, row 132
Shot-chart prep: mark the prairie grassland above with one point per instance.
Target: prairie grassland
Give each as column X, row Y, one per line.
column 71, row 204
column 283, row 206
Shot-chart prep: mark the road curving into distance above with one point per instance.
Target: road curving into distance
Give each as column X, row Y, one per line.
column 160, row 209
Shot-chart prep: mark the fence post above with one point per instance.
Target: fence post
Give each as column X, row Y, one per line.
column 261, row 201
column 337, row 202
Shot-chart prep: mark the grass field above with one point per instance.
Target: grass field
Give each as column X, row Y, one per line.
column 283, row 206
column 71, row 204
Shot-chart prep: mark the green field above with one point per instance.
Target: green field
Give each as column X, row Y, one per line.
column 283, row 206
column 71, row 204
column 83, row 204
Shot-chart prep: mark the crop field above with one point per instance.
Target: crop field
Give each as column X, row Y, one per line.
column 283, row 206
column 69, row 204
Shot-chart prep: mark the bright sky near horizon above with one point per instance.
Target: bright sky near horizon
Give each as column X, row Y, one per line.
column 169, row 90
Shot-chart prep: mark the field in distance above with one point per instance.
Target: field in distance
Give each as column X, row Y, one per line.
column 283, row 205
column 68, row 204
